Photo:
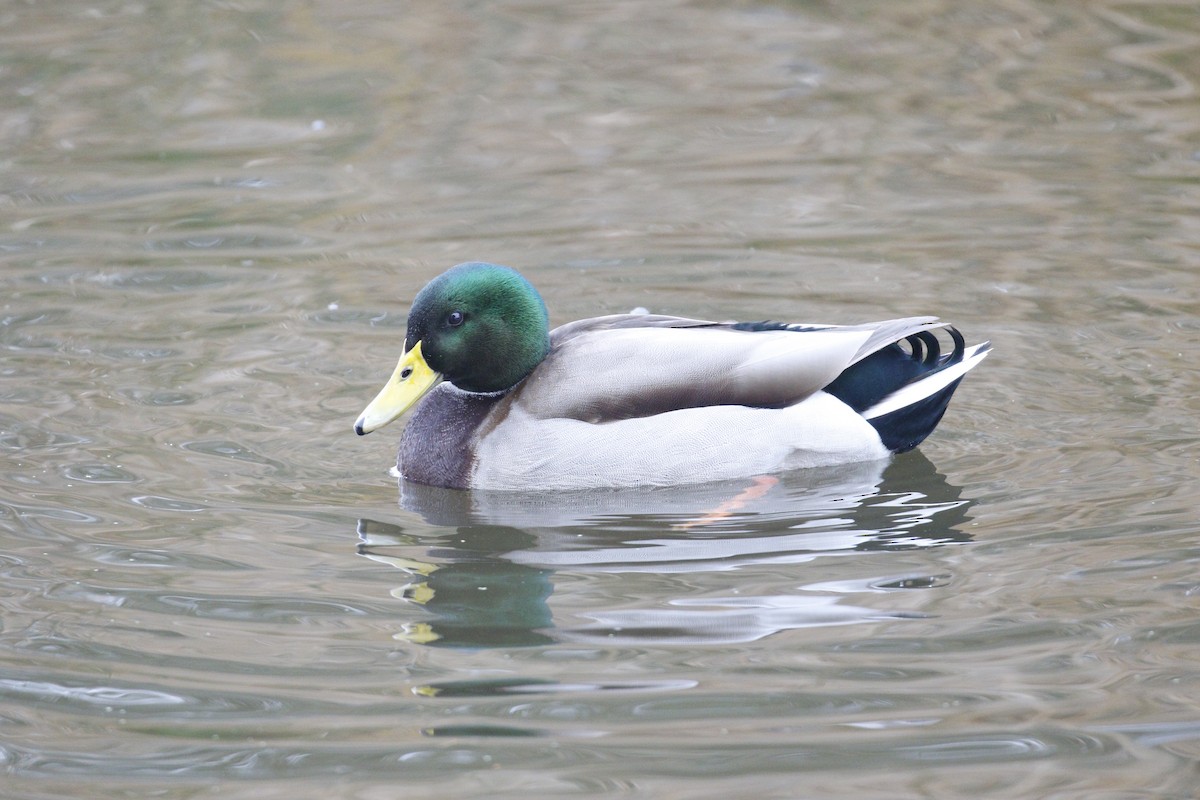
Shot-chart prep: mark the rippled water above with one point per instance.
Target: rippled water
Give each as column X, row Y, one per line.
column 212, row 220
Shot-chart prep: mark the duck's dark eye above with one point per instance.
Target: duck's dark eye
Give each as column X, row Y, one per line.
column 454, row 319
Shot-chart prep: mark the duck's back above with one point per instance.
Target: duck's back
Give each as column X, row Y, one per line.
column 612, row 368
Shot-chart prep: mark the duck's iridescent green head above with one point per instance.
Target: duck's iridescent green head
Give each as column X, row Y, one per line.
column 482, row 327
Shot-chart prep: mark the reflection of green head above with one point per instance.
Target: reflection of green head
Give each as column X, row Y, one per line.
column 481, row 326
column 479, row 599
column 489, row 604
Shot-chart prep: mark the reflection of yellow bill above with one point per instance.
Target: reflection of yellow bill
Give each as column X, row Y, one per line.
column 418, row 633
column 420, row 593
column 407, row 564
column 412, row 379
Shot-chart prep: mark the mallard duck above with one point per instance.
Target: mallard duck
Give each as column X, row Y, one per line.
column 503, row 402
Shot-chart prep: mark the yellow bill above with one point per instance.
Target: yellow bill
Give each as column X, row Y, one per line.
column 408, row 384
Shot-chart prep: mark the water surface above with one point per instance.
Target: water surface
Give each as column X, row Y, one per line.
column 213, row 218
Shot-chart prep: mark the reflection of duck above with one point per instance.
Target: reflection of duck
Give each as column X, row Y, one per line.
column 487, row 580
column 644, row 399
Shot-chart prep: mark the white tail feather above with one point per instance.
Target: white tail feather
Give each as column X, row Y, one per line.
column 925, row 387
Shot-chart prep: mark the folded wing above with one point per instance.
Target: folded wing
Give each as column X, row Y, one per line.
column 626, row 366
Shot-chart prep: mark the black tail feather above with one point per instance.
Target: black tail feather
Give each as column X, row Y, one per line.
column 886, row 371
column 873, row 378
column 907, row 427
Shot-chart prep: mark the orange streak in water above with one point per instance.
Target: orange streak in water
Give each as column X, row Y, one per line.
column 761, row 485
